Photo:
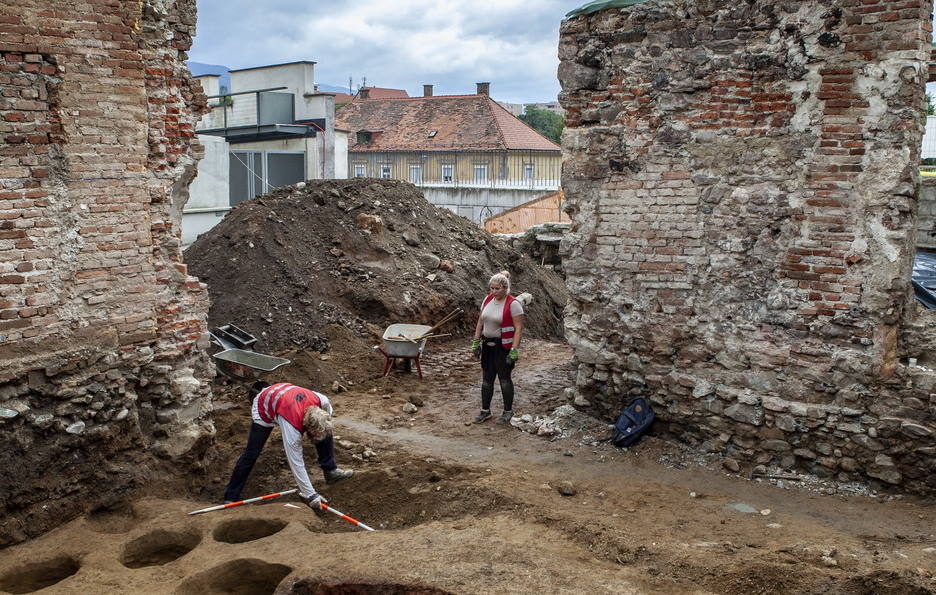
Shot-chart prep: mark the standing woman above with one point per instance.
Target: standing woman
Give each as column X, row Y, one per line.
column 497, row 342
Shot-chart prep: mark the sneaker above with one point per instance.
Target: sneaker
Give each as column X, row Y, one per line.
column 483, row 416
column 505, row 417
column 336, row 475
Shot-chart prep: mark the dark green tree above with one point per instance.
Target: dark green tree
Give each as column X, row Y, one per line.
column 545, row 122
column 930, row 110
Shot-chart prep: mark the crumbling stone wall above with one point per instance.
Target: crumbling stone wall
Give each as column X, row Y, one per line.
column 101, row 370
column 742, row 178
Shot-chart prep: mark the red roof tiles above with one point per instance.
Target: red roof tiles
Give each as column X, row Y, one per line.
column 460, row 122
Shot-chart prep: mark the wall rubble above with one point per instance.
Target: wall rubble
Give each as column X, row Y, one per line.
column 101, row 368
column 742, row 179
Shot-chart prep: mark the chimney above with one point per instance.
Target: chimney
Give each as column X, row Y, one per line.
column 363, row 93
column 427, row 90
column 484, row 88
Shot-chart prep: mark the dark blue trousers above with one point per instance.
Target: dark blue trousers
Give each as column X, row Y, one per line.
column 256, row 438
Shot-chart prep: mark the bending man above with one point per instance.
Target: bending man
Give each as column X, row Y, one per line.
column 295, row 410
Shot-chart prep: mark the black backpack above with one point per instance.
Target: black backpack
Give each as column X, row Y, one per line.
column 633, row 423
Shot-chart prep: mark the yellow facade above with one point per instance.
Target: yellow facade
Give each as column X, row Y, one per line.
column 481, row 168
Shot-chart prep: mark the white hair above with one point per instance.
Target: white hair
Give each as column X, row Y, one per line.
column 317, row 423
column 501, row 278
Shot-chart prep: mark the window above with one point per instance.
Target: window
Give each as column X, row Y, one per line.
column 360, row 170
column 415, row 174
column 253, row 173
column 528, row 171
column 480, row 172
column 386, row 171
column 448, row 173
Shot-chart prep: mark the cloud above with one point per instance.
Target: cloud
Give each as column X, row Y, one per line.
column 401, row 44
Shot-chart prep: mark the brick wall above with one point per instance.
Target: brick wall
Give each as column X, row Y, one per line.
column 99, row 322
column 742, row 179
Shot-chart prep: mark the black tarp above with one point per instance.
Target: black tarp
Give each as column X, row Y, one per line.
column 924, row 278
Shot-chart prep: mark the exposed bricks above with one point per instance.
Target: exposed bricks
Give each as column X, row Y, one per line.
column 92, row 98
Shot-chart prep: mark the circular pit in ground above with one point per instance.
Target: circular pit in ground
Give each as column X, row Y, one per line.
column 34, row 576
column 157, row 548
column 245, row 576
column 244, row 530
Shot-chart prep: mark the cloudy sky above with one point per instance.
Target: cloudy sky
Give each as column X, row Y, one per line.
column 401, row 44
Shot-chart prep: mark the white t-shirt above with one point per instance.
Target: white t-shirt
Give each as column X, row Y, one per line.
column 492, row 316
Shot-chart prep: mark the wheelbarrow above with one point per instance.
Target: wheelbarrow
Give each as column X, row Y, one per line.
column 403, row 342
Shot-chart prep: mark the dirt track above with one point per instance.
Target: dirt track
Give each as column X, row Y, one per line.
column 475, row 509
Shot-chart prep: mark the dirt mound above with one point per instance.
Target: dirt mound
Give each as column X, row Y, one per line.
column 362, row 253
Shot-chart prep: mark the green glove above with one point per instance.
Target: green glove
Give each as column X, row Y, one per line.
column 476, row 347
column 513, row 355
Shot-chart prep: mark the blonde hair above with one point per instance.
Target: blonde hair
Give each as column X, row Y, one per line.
column 317, row 423
column 501, row 278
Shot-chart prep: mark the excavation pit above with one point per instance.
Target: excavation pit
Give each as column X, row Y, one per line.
column 311, row 587
column 113, row 519
column 246, row 576
column 158, row 548
column 244, row 530
column 39, row 575
column 409, row 495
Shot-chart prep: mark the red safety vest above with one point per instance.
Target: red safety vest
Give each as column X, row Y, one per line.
column 507, row 325
column 287, row 401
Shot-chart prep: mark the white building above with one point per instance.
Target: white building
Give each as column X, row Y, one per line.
column 269, row 130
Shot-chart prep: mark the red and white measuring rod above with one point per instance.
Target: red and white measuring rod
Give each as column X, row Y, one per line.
column 344, row 516
column 240, row 502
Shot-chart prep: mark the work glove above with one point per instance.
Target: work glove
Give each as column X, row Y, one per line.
column 513, row 355
column 314, row 501
column 476, row 348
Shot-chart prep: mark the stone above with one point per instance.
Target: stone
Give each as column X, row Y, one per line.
column 415, row 400
column 731, row 465
column 703, row 388
column 429, row 261
column 76, row 428
column 566, row 488
column 410, row 238
column 915, row 430
column 447, row 265
column 8, row 413
column 745, row 413
column 889, row 475
column 776, row 445
column 410, row 408
column 43, row 420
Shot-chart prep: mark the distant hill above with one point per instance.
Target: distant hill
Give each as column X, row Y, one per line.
column 200, row 68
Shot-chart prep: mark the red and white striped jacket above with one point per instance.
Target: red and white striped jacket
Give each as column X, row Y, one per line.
column 288, row 401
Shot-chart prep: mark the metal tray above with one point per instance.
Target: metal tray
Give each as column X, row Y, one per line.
column 246, row 365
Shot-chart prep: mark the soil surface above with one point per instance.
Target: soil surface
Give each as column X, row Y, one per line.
column 480, row 508
column 538, row 505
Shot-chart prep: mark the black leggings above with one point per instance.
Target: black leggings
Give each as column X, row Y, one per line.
column 494, row 362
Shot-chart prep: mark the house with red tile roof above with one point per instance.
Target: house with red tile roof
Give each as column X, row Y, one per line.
column 466, row 152
column 369, row 93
